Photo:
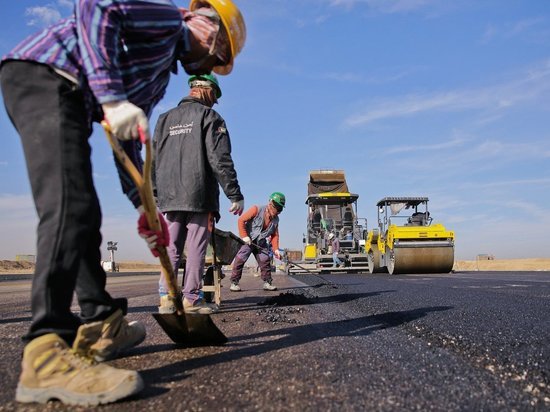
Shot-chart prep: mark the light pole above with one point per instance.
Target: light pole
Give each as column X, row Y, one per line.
column 111, row 247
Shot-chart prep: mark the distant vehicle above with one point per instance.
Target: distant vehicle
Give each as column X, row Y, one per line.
column 406, row 241
column 109, row 266
column 332, row 209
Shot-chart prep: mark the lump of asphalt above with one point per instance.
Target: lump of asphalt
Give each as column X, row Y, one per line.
column 286, row 299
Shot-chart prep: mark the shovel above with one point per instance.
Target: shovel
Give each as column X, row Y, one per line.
column 182, row 328
column 285, row 258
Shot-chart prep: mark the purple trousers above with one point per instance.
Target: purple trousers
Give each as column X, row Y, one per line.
column 191, row 231
column 262, row 257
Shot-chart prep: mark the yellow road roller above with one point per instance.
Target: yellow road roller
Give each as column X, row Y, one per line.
column 406, row 241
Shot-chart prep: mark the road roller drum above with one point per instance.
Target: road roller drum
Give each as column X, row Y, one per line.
column 421, row 260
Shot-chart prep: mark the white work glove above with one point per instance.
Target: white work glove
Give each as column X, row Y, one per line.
column 125, row 120
column 247, row 240
column 237, row 207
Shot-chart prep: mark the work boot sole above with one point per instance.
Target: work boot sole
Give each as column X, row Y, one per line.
column 129, row 386
column 167, row 311
column 199, row 311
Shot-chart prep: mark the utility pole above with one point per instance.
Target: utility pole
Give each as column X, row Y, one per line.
column 111, row 247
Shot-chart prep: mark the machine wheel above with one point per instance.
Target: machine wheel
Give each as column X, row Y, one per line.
column 374, row 262
column 287, row 269
column 391, row 262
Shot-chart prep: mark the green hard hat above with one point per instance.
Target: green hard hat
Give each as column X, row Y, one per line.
column 278, row 198
column 211, row 78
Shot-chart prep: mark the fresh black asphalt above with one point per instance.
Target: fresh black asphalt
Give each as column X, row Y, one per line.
column 470, row 341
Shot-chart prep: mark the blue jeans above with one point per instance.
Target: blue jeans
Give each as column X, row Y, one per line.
column 335, row 260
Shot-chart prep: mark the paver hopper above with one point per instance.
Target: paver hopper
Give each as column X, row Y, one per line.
column 406, row 241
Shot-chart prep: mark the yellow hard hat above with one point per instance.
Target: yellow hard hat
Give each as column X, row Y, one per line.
column 233, row 23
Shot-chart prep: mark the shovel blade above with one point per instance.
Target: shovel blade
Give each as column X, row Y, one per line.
column 203, row 331
column 190, row 330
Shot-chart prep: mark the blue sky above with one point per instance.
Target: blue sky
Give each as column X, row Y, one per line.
column 437, row 98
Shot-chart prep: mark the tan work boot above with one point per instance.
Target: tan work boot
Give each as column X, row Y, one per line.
column 199, row 307
column 103, row 340
column 167, row 304
column 51, row 370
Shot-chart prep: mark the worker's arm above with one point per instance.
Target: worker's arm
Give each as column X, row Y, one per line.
column 275, row 240
column 245, row 217
column 100, row 26
column 218, row 146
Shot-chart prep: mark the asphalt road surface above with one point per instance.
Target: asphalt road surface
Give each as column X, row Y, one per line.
column 473, row 341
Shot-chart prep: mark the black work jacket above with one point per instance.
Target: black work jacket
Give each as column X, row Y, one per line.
column 192, row 158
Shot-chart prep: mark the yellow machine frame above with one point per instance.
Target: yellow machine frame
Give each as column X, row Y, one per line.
column 416, row 246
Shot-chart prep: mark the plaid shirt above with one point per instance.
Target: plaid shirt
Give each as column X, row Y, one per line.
column 117, row 50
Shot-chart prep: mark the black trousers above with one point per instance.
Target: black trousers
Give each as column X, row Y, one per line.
column 49, row 114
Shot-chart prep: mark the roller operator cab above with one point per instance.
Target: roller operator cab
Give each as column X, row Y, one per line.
column 406, row 240
column 332, row 209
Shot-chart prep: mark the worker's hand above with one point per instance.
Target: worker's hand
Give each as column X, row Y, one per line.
column 237, row 207
column 247, row 240
column 126, row 120
column 153, row 238
column 277, row 253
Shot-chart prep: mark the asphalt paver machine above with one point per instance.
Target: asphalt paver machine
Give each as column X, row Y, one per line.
column 332, row 209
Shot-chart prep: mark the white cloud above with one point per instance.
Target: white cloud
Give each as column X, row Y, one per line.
column 530, row 210
column 511, row 30
column 321, row 19
column 42, row 15
column 524, row 25
column 455, row 142
column 66, row 3
column 532, row 84
column 391, row 75
column 466, row 158
column 512, row 183
column 342, row 77
column 388, row 6
column 490, row 32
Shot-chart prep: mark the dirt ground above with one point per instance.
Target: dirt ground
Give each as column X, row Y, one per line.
column 503, row 264
column 11, row 266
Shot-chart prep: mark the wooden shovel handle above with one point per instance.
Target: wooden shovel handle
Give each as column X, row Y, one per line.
column 145, row 189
